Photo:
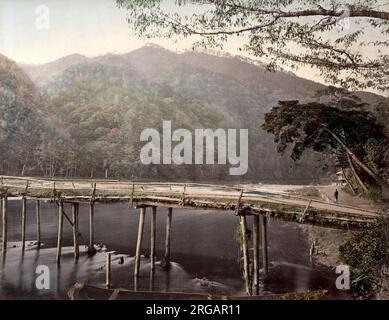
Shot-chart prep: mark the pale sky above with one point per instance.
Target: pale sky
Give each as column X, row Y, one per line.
column 88, row 27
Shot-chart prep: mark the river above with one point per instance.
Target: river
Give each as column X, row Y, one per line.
column 204, row 254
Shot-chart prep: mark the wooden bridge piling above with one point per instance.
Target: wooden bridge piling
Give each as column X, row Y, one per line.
column 60, row 231
column 139, row 240
column 91, row 218
column 108, row 270
column 246, row 257
column 24, row 213
column 168, row 237
column 256, row 245
column 153, row 235
column 4, row 202
column 152, row 281
column 265, row 260
column 38, row 222
column 91, row 224
column 131, row 201
column 75, row 213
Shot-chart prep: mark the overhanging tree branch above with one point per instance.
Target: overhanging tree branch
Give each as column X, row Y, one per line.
column 282, row 33
column 364, row 13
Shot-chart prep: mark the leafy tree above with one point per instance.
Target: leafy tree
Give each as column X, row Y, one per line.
column 325, row 129
column 327, row 35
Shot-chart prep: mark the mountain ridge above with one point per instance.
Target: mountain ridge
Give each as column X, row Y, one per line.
column 56, row 67
column 101, row 104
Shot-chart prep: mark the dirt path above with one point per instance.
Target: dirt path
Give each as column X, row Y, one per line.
column 349, row 200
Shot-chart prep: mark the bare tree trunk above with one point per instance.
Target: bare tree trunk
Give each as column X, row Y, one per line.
column 23, row 168
column 349, row 181
column 355, row 173
column 24, row 164
column 376, row 177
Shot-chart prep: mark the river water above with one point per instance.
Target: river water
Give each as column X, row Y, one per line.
column 204, row 254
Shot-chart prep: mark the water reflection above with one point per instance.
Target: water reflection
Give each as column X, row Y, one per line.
column 204, row 254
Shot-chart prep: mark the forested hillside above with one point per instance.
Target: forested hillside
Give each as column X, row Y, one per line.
column 20, row 118
column 89, row 113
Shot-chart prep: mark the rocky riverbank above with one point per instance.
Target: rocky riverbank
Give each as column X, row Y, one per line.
column 325, row 242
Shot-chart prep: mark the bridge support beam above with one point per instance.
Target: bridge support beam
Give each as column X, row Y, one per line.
column 256, row 245
column 108, row 270
column 75, row 212
column 91, row 225
column 166, row 262
column 38, row 222
column 4, row 206
column 60, row 231
column 24, row 212
column 153, row 234
column 265, row 260
column 139, row 240
column 246, row 257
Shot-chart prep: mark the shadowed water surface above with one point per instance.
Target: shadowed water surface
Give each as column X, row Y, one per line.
column 204, row 254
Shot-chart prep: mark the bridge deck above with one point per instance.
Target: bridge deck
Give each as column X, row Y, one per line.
column 246, row 200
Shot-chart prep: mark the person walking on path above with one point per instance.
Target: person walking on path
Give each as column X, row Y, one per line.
column 336, row 195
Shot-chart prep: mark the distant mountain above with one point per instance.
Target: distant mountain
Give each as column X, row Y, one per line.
column 42, row 75
column 141, row 88
column 234, row 85
column 14, row 80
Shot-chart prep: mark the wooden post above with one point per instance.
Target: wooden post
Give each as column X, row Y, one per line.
column 152, row 281
column 265, row 262
column 38, row 222
column 302, row 218
column 131, row 202
column 246, row 258
column 153, row 233
column 139, row 241
column 24, row 211
column 53, row 192
column 91, row 248
column 91, row 224
column 60, row 229
column 238, row 203
column 108, row 270
column 168, row 237
column 136, row 282
column 5, row 223
column 75, row 210
column 256, row 253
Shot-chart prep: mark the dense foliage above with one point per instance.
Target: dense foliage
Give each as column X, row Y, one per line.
column 92, row 110
column 20, row 120
column 105, row 121
column 317, row 126
column 367, row 253
column 103, row 103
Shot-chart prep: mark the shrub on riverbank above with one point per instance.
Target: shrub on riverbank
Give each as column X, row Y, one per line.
column 367, row 254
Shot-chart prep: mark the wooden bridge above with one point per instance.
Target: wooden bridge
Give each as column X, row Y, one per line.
column 241, row 201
